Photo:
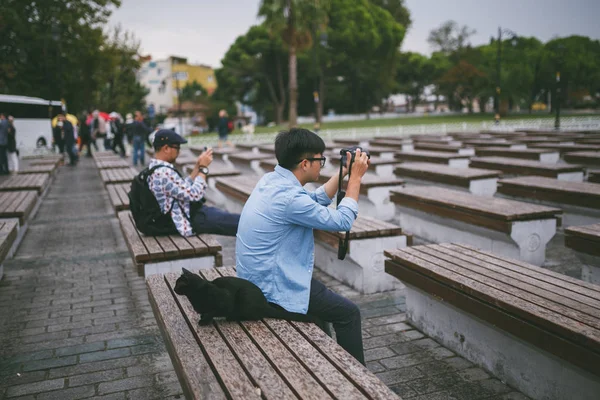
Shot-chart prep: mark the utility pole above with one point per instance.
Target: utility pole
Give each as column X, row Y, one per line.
column 178, row 103
column 498, row 64
column 557, row 118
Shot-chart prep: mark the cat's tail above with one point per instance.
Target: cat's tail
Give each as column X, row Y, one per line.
column 276, row 311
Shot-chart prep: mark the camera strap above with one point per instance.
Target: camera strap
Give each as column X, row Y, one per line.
column 343, row 244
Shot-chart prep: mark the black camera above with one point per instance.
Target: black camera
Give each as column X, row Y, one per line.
column 352, row 151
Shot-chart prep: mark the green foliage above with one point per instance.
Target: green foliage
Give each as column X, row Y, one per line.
column 56, row 49
column 194, row 92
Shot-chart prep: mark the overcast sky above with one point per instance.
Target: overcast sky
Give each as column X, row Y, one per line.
column 203, row 30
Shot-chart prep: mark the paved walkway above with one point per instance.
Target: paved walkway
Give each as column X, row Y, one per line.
column 75, row 321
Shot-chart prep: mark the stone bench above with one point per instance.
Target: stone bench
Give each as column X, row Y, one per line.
column 593, row 175
column 109, row 163
column 267, row 148
column 506, row 227
column 383, row 167
column 21, row 205
column 513, row 166
column 435, row 139
column 531, row 140
column 118, row 175
column 452, row 160
column 585, row 241
column 364, row 142
column 267, row 359
column 536, row 330
column 398, row 145
column 566, row 148
column 38, row 169
column 374, row 198
column 363, row 267
column 37, row 182
column 591, row 158
column 162, row 254
column 481, row 182
column 580, row 201
column 496, row 142
column 118, row 196
column 249, row 159
column 9, row 230
column 450, row 148
column 381, row 151
column 546, row 156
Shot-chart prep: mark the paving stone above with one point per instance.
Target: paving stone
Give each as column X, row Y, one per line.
column 414, row 346
column 36, row 387
column 69, row 394
column 403, row 390
column 406, row 360
column 95, row 377
column 112, row 396
column 511, row 396
column 95, row 366
column 400, row 375
column 21, row 379
column 378, row 312
column 472, row 374
column 388, row 319
column 391, row 328
column 378, row 353
column 83, row 348
column 125, row 384
column 49, row 363
column 104, row 355
column 435, row 383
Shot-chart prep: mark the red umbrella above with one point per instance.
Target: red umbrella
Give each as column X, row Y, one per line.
column 101, row 114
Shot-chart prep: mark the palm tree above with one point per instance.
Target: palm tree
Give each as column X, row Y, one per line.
column 293, row 20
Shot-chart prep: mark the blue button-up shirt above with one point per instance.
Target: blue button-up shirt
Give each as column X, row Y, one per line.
column 275, row 243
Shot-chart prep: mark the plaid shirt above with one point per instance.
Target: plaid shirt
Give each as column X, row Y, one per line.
column 168, row 186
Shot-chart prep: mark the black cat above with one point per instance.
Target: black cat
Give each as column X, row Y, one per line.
column 231, row 297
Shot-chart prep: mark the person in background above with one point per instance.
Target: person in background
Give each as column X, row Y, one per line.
column 98, row 129
column 139, row 134
column 223, row 128
column 117, row 129
column 3, row 145
column 184, row 197
column 85, row 134
column 13, row 152
column 65, row 132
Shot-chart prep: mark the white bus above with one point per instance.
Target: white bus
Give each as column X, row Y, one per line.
column 32, row 120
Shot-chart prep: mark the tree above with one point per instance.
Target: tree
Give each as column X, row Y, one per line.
column 465, row 80
column 292, row 20
column 450, row 37
column 119, row 89
column 414, row 73
column 52, row 48
column 254, row 72
column 194, row 92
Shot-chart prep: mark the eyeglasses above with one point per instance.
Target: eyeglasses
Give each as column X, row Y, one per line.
column 322, row 159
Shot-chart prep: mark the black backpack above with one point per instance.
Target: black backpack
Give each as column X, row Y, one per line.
column 145, row 209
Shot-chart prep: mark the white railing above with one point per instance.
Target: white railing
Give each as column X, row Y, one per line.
column 567, row 123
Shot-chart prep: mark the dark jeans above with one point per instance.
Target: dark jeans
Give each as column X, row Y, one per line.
column 118, row 143
column 86, row 142
column 138, row 149
column 4, row 160
column 72, row 152
column 342, row 313
column 215, row 221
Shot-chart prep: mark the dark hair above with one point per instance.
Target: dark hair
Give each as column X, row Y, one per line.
column 158, row 146
column 294, row 145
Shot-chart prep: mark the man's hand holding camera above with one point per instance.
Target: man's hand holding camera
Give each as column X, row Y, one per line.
column 359, row 167
column 204, row 160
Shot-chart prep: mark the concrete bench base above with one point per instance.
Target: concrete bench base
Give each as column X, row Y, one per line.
column 527, row 240
column 363, row 267
column 164, row 267
column 570, row 176
column 590, row 270
column 550, row 158
column 529, row 369
column 459, row 163
column 253, row 165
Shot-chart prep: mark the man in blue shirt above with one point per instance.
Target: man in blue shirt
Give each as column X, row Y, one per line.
column 275, row 244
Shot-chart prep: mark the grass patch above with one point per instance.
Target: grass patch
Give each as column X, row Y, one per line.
column 420, row 120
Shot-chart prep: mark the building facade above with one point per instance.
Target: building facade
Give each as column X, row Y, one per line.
column 163, row 77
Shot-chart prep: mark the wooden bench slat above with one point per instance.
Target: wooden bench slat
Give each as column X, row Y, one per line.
column 523, row 167
column 444, row 173
column 315, row 362
column 235, row 380
column 37, row 182
column 184, row 248
column 169, row 249
column 197, row 378
column 278, row 369
column 357, row 373
column 578, row 332
column 583, row 194
column 542, row 274
column 8, row 234
column 211, row 243
column 200, row 248
column 572, row 300
column 132, row 237
column 585, row 239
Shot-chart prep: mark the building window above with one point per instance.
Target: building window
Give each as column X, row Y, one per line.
column 162, row 89
column 159, row 71
column 209, row 79
column 180, row 76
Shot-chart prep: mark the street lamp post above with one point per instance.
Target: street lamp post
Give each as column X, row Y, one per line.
column 510, row 33
column 557, row 117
